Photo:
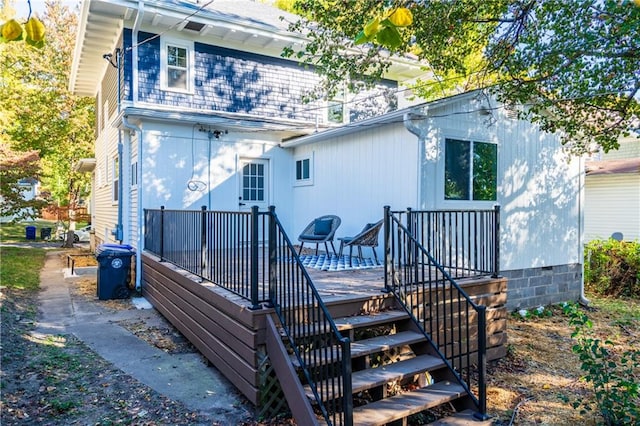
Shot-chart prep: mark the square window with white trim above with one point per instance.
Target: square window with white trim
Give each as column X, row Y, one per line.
column 176, row 66
column 304, row 170
column 471, row 170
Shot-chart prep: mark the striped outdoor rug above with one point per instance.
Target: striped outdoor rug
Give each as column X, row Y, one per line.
column 337, row 263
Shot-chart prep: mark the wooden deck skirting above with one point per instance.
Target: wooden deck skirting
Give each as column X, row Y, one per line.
column 232, row 336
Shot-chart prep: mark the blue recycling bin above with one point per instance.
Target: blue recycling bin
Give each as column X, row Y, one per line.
column 114, row 271
column 31, row 232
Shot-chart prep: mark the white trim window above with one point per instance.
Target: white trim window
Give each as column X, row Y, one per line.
column 303, row 172
column 116, row 180
column 134, row 175
column 176, row 66
column 337, row 111
column 470, row 171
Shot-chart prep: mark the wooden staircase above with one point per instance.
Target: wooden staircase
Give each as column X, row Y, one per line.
column 396, row 373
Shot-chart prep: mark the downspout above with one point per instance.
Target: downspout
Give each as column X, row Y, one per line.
column 134, row 128
column 421, row 133
column 581, row 182
column 134, row 52
column 140, row 242
column 118, row 232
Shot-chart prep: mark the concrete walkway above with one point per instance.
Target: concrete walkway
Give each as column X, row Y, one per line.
column 182, row 377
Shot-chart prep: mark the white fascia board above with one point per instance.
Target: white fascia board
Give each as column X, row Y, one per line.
column 230, row 120
column 77, row 53
column 380, row 120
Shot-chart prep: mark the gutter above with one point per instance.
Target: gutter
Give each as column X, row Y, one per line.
column 140, row 241
column 134, row 50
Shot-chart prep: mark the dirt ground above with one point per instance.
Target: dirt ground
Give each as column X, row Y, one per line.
column 63, row 382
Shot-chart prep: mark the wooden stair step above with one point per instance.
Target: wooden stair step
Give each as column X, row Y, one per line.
column 373, row 377
column 366, row 346
column 370, row 320
column 356, row 321
column 381, row 343
column 462, row 418
column 405, row 404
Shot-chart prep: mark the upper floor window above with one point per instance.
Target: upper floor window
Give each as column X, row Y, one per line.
column 470, row 170
column 176, row 66
column 336, row 108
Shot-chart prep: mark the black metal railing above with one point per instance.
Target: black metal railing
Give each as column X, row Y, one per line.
column 464, row 242
column 250, row 254
column 321, row 351
column 454, row 325
column 226, row 248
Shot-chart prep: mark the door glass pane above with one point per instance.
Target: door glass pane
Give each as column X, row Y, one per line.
column 253, row 182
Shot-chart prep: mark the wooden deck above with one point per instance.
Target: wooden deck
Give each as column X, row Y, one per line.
column 232, row 336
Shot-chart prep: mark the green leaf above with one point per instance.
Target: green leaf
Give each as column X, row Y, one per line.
column 362, row 38
column 389, row 37
column 36, row 44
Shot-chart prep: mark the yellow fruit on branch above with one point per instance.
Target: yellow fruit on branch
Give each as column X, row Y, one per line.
column 34, row 29
column 11, row 30
column 401, row 17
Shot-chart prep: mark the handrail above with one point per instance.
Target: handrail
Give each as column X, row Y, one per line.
column 437, row 304
column 250, row 254
column 305, row 319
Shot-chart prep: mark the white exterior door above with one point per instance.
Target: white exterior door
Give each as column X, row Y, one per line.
column 254, row 183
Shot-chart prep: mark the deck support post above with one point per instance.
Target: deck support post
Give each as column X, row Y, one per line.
column 387, row 248
column 347, row 391
column 482, row 364
column 496, row 242
column 254, row 258
column 161, row 233
column 273, row 254
column 203, row 241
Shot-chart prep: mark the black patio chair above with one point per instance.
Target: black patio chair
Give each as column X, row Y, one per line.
column 368, row 237
column 320, row 230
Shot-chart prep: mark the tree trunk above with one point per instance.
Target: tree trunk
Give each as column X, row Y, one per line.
column 68, row 241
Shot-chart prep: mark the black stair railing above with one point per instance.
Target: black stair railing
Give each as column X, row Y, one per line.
column 453, row 324
column 323, row 354
column 249, row 254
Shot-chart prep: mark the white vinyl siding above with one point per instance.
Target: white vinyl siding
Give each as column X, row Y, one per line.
column 612, row 203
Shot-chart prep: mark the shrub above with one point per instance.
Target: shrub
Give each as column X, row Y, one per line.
column 612, row 376
column 612, row 268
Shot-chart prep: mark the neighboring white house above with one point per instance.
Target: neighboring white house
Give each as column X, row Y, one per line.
column 29, row 189
column 195, row 107
column 612, row 193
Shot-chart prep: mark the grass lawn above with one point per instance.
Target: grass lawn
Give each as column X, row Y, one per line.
column 20, row 267
column 16, row 232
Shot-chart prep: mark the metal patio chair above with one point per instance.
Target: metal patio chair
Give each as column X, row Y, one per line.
column 368, row 237
column 320, row 230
